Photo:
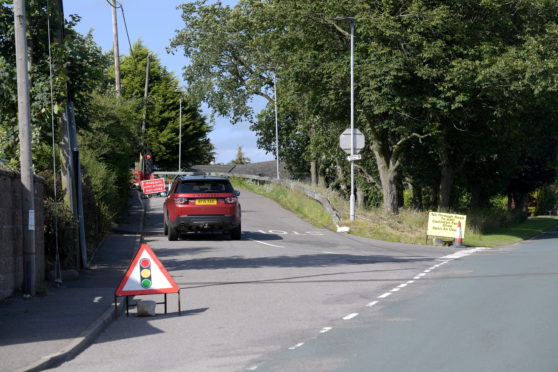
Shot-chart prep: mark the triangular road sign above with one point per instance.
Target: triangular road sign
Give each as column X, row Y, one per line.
column 146, row 275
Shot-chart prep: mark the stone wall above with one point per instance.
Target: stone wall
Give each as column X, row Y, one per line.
column 11, row 227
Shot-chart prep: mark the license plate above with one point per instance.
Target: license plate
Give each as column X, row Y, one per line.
column 206, row 201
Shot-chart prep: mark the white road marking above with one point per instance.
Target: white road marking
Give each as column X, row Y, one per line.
column 350, row 316
column 271, row 245
column 253, row 368
column 385, row 295
column 416, row 277
column 421, row 275
column 296, row 346
column 402, row 285
column 410, row 282
column 326, row 329
column 396, row 289
column 372, row 303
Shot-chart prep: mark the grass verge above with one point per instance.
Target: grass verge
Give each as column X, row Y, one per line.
column 407, row 227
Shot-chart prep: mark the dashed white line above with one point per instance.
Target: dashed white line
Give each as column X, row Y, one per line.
column 410, row 282
column 253, row 368
column 271, row 245
column 370, row 304
column 350, row 316
column 326, row 329
column 396, row 289
column 385, row 295
column 402, row 285
column 296, row 346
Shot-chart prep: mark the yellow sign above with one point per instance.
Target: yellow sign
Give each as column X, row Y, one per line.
column 445, row 224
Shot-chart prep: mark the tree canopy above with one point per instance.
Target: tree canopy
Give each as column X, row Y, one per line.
column 450, row 95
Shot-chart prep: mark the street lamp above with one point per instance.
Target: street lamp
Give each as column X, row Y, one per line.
column 180, row 136
column 276, row 124
column 352, row 21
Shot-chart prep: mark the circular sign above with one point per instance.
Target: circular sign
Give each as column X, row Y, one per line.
column 345, row 141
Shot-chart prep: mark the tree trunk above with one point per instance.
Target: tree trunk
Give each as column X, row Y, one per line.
column 446, row 184
column 340, row 176
column 360, row 198
column 388, row 170
column 313, row 173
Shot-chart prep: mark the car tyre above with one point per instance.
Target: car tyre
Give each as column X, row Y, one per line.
column 236, row 233
column 165, row 228
column 173, row 234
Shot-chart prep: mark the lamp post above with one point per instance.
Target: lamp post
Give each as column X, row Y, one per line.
column 352, row 21
column 276, row 124
column 180, row 135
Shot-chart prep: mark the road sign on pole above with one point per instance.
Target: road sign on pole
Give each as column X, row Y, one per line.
column 345, row 141
column 354, row 157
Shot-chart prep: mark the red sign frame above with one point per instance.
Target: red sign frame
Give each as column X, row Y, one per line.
column 154, row 186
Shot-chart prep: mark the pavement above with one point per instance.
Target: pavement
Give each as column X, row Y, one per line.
column 44, row 331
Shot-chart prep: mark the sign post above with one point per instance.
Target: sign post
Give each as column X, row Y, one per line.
column 352, row 141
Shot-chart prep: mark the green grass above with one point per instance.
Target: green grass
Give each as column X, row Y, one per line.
column 407, row 227
column 293, row 200
column 512, row 234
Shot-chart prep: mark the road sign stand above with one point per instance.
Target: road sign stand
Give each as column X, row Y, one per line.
column 129, row 305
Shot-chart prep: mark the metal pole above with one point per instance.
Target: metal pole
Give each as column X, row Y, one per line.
column 352, row 198
column 276, row 124
column 116, row 50
column 25, row 157
column 180, row 137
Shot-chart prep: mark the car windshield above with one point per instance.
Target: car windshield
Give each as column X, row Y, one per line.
column 204, row 186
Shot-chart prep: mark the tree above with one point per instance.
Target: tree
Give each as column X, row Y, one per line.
column 454, row 82
column 163, row 116
column 240, row 158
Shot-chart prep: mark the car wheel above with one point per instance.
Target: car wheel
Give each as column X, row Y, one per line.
column 165, row 228
column 173, row 234
column 236, row 233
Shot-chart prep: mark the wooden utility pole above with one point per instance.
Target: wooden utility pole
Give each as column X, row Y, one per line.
column 115, row 50
column 25, row 157
column 145, row 92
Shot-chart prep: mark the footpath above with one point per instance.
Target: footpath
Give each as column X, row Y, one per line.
column 44, row 331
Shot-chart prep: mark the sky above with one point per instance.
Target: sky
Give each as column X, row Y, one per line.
column 155, row 22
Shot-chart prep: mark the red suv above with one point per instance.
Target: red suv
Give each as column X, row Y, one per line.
column 202, row 203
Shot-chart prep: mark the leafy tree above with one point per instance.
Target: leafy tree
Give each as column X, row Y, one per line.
column 163, row 112
column 456, row 82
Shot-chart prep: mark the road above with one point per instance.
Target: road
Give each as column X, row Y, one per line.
column 494, row 311
column 248, row 304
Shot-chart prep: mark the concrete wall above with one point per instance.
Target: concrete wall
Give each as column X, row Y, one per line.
column 11, row 227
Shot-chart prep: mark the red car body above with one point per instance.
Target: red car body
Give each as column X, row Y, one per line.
column 199, row 204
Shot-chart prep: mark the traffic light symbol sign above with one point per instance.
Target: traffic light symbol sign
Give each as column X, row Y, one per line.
column 145, row 273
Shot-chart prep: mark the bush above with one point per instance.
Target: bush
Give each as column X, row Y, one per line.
column 60, row 225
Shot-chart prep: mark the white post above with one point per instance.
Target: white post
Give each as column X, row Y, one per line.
column 352, row 198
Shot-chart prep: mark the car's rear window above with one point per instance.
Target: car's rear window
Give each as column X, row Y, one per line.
column 204, row 186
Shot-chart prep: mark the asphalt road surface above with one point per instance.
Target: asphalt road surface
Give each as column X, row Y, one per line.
column 494, row 311
column 288, row 296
